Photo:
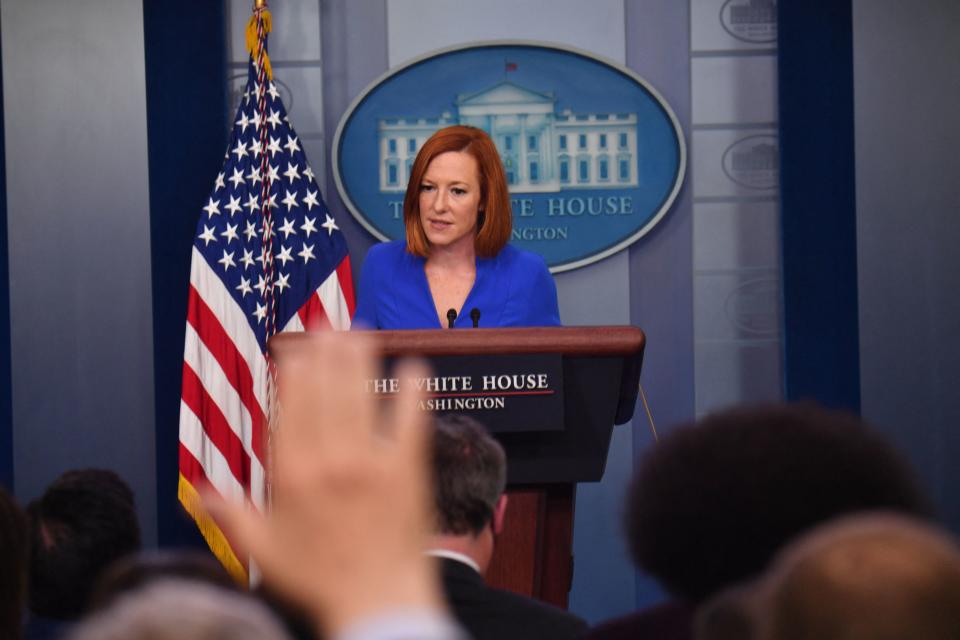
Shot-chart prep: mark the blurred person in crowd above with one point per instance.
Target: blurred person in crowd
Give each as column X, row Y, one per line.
column 85, row 520
column 13, row 566
column 351, row 515
column 181, row 609
column 469, row 478
column 875, row 576
column 712, row 502
column 139, row 570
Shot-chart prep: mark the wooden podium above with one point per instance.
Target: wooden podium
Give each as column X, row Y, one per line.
column 600, row 376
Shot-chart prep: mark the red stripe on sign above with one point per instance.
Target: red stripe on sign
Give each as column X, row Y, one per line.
column 345, row 277
column 216, row 427
column 231, row 361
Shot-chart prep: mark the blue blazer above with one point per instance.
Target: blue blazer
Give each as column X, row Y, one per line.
column 512, row 289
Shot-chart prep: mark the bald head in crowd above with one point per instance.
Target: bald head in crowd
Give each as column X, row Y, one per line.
column 868, row 577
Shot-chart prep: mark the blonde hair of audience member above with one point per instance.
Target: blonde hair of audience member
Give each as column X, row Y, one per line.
column 351, row 509
column 867, row 577
column 182, row 610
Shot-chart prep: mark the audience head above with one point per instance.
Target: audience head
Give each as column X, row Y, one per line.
column 865, row 577
column 13, row 565
column 470, row 475
column 495, row 217
column 181, row 610
column 713, row 502
column 139, row 570
column 83, row 522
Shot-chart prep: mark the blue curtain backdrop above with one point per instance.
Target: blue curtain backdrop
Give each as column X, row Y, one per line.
column 818, row 203
column 187, row 134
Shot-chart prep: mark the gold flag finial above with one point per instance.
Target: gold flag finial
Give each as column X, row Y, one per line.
column 261, row 18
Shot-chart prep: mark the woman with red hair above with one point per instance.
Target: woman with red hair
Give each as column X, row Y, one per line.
column 455, row 267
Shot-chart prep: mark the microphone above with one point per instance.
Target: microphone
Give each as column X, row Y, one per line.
column 451, row 318
column 475, row 316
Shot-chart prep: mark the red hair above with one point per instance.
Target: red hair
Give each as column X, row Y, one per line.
column 495, row 219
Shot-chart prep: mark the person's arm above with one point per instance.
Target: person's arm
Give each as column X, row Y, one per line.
column 351, row 510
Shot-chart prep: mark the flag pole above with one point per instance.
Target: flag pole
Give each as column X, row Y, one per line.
column 262, row 23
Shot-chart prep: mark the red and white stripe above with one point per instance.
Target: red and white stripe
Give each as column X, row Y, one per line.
column 223, row 410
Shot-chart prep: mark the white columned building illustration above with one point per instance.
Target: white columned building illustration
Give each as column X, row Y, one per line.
column 542, row 150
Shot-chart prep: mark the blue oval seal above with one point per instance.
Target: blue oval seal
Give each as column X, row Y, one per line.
column 594, row 155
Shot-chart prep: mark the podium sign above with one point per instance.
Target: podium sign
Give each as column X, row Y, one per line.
column 516, row 393
column 590, row 373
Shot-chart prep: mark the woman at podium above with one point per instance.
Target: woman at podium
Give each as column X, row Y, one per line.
column 455, row 268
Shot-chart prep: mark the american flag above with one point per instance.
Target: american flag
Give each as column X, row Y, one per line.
column 268, row 257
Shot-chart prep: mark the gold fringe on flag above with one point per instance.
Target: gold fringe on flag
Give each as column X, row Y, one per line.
column 190, row 500
column 253, row 42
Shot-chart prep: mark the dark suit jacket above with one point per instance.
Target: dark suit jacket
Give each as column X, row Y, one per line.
column 671, row 620
column 492, row 614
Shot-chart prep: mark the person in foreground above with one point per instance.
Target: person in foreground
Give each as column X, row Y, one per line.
column 84, row 521
column 713, row 501
column 876, row 576
column 455, row 259
column 469, row 477
column 181, row 609
column 351, row 500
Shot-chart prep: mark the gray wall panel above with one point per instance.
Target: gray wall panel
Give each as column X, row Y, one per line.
column 354, row 43
column 907, row 97
column 661, row 263
column 76, row 145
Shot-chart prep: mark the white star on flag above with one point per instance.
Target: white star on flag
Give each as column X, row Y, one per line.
column 230, row 233
column 310, row 200
column 273, row 146
column 227, row 260
column 284, row 255
column 237, row 177
column 306, row 253
column 290, row 200
column 330, row 225
column 240, row 150
column 233, row 206
column 207, row 235
column 308, row 226
column 212, row 208
column 287, row 228
column 244, row 287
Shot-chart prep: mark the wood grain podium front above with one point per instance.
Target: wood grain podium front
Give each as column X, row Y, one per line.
column 600, row 376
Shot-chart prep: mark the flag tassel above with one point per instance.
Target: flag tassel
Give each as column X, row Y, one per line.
column 214, row 537
column 254, row 41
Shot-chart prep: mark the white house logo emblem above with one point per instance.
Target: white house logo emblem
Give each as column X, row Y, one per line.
column 750, row 20
column 753, row 162
column 593, row 156
column 541, row 150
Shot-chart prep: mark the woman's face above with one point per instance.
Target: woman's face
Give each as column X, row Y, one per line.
column 449, row 199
